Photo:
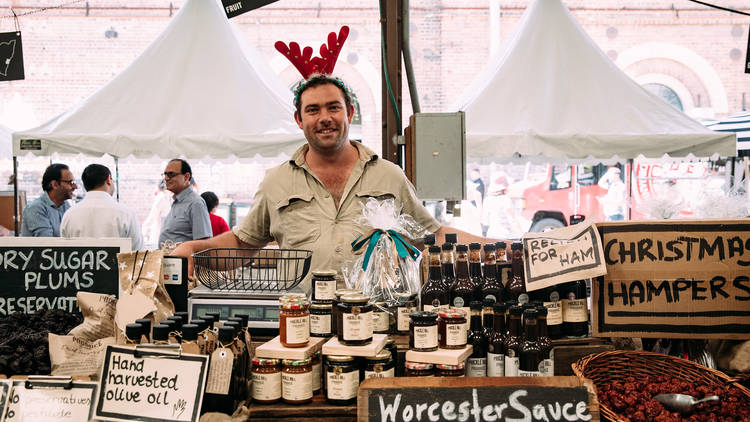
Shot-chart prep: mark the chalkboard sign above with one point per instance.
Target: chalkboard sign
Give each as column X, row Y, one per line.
column 46, row 272
column 50, row 400
column 674, row 279
column 487, row 399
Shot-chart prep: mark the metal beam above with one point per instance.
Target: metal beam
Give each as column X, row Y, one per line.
column 391, row 11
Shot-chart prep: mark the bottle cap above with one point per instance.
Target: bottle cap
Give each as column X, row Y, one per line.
column 501, row 245
column 133, row 331
column 516, row 310
column 434, row 249
column 190, row 332
column 499, row 307
column 146, row 323
column 489, row 247
column 244, row 318
column 516, row 246
column 475, row 304
column 429, row 239
column 201, row 323
column 447, row 246
column 461, row 248
column 488, row 302
column 184, row 315
column 451, row 238
column 177, row 322
column 161, row 332
column 226, row 333
column 423, row 315
column 474, row 246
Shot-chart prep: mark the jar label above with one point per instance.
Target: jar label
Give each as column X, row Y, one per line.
column 297, row 329
column 317, row 376
column 381, row 321
column 435, row 307
column 357, row 327
column 547, row 367
column 320, row 324
column 342, row 386
column 402, row 318
column 267, row 386
column 495, row 365
column 455, row 334
column 575, row 310
column 380, row 374
column 511, row 366
column 476, row 367
column 425, row 337
column 296, row 386
column 522, row 373
column 325, row 290
column 554, row 313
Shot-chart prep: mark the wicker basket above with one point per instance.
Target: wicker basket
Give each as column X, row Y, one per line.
column 604, row 368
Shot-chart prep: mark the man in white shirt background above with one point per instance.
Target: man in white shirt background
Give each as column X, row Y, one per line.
column 98, row 214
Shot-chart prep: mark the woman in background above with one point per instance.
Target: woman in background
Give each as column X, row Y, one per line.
column 218, row 224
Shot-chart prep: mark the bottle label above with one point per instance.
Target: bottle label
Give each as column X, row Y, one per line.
column 455, row 334
column 458, row 302
column 495, row 365
column 476, row 367
column 575, row 310
column 522, row 373
column 325, row 289
column 402, row 318
column 297, row 329
column 296, row 386
column 523, row 298
column 494, row 299
column 317, row 376
column 467, row 324
column 435, row 307
column 342, row 386
column 381, row 321
column 554, row 312
column 266, row 386
column 320, row 324
column 511, row 365
column 357, row 327
column 425, row 337
column 547, row 367
column 380, row 374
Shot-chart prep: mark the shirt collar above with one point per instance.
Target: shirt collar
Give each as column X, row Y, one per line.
column 99, row 195
column 182, row 195
column 366, row 155
column 48, row 201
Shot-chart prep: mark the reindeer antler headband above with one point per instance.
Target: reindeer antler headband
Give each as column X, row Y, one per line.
column 308, row 65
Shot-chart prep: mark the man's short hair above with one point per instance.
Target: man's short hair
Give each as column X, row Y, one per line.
column 319, row 79
column 53, row 172
column 94, row 176
column 184, row 166
column 212, row 201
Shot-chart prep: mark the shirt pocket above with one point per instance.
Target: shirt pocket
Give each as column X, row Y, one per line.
column 300, row 220
column 363, row 196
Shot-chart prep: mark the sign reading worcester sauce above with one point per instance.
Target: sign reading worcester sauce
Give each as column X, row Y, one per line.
column 566, row 254
column 677, row 279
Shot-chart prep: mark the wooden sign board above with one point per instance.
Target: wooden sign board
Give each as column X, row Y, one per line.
column 47, row 272
column 566, row 254
column 149, row 385
column 487, row 399
column 674, row 279
column 51, row 401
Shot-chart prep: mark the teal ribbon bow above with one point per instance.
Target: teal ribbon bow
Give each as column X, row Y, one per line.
column 403, row 248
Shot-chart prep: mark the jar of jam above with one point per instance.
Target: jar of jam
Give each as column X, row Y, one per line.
column 380, row 366
column 450, row 370
column 324, row 286
column 452, row 329
column 423, row 331
column 266, row 375
column 342, row 380
column 294, row 321
column 317, row 372
column 407, row 303
column 335, row 311
column 355, row 323
column 320, row 319
column 381, row 318
column 297, row 381
column 418, row 369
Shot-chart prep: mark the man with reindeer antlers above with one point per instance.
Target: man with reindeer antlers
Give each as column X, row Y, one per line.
column 312, row 200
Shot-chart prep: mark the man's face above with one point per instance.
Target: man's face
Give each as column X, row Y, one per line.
column 324, row 118
column 174, row 179
column 64, row 187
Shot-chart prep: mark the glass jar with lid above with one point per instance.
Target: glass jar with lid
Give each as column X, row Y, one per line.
column 342, row 380
column 418, row 369
column 442, row 370
column 407, row 303
column 324, row 285
column 294, row 321
column 381, row 318
column 266, row 376
column 380, row 366
column 423, row 331
column 335, row 311
column 452, row 329
column 296, row 381
column 355, row 323
column 320, row 319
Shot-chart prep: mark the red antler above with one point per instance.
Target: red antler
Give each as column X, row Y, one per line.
column 307, row 65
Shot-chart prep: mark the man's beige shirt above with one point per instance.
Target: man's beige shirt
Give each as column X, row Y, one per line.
column 294, row 208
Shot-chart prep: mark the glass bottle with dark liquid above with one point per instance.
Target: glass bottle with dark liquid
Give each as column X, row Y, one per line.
column 434, row 295
column 475, row 269
column 516, row 286
column 491, row 287
column 575, row 310
column 503, row 269
column 552, row 300
column 547, row 367
column 463, row 289
column 429, row 240
column 512, row 342
column 488, row 313
column 447, row 260
column 495, row 348
column 530, row 360
column 477, row 363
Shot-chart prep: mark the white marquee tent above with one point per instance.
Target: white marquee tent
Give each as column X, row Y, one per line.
column 6, row 150
column 553, row 94
column 199, row 90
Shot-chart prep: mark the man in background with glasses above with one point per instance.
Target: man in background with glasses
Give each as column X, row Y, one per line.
column 42, row 216
column 188, row 217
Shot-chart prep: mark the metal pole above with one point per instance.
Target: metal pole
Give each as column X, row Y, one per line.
column 629, row 170
column 406, row 48
column 117, row 178
column 391, row 67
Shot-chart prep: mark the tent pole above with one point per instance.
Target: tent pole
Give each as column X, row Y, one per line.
column 117, row 178
column 629, row 170
column 15, row 197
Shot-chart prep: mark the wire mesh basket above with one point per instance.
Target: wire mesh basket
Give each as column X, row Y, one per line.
column 251, row 269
